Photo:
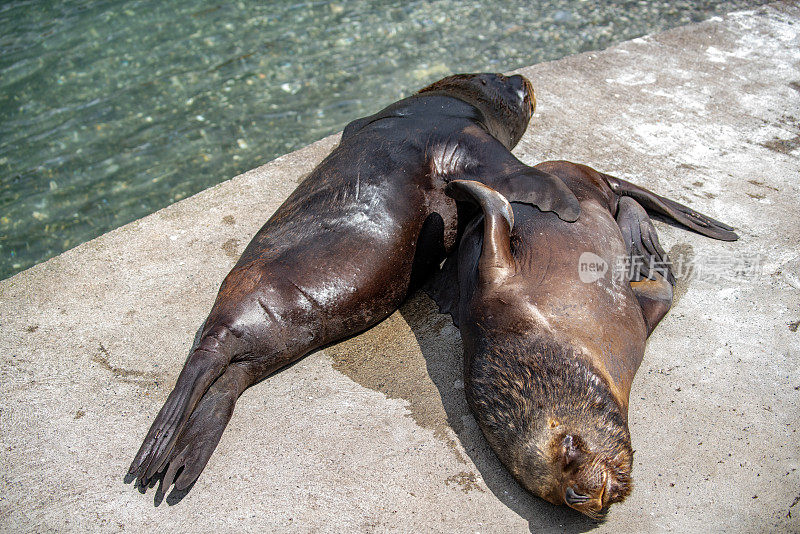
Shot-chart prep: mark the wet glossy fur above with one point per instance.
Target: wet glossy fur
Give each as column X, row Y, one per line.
column 341, row 253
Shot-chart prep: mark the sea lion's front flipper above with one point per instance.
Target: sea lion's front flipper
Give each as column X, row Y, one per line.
column 443, row 287
column 496, row 262
column 649, row 269
column 676, row 211
column 541, row 189
column 655, row 299
column 488, row 161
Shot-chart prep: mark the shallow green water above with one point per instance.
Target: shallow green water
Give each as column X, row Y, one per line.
column 112, row 110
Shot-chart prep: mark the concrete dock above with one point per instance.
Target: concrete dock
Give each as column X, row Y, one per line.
column 373, row 434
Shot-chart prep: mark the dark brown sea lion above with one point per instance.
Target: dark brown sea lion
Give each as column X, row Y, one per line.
column 554, row 319
column 343, row 250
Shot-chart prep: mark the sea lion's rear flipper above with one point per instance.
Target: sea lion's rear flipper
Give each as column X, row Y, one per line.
column 541, row 189
column 649, row 268
column 204, row 429
column 496, row 262
column 685, row 215
column 204, row 365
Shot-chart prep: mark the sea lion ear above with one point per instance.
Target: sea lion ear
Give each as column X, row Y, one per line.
column 496, row 262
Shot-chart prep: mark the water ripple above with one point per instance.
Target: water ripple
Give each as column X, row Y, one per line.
column 110, row 110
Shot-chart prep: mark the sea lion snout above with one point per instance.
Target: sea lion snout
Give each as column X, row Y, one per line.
column 517, row 87
column 573, row 498
column 589, row 483
column 506, row 103
column 523, row 89
column 587, row 489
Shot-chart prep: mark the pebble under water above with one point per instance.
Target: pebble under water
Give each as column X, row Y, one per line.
column 111, row 110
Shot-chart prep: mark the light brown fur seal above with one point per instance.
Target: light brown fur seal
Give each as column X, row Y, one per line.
column 549, row 352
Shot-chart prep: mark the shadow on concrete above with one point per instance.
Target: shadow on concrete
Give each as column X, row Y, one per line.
column 445, row 368
column 439, row 343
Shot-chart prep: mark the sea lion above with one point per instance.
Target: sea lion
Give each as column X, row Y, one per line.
column 550, row 350
column 341, row 253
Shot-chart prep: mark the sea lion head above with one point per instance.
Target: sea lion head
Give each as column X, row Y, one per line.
column 587, row 477
column 506, row 103
column 553, row 422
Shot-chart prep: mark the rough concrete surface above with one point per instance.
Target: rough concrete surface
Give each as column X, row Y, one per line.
column 373, row 434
